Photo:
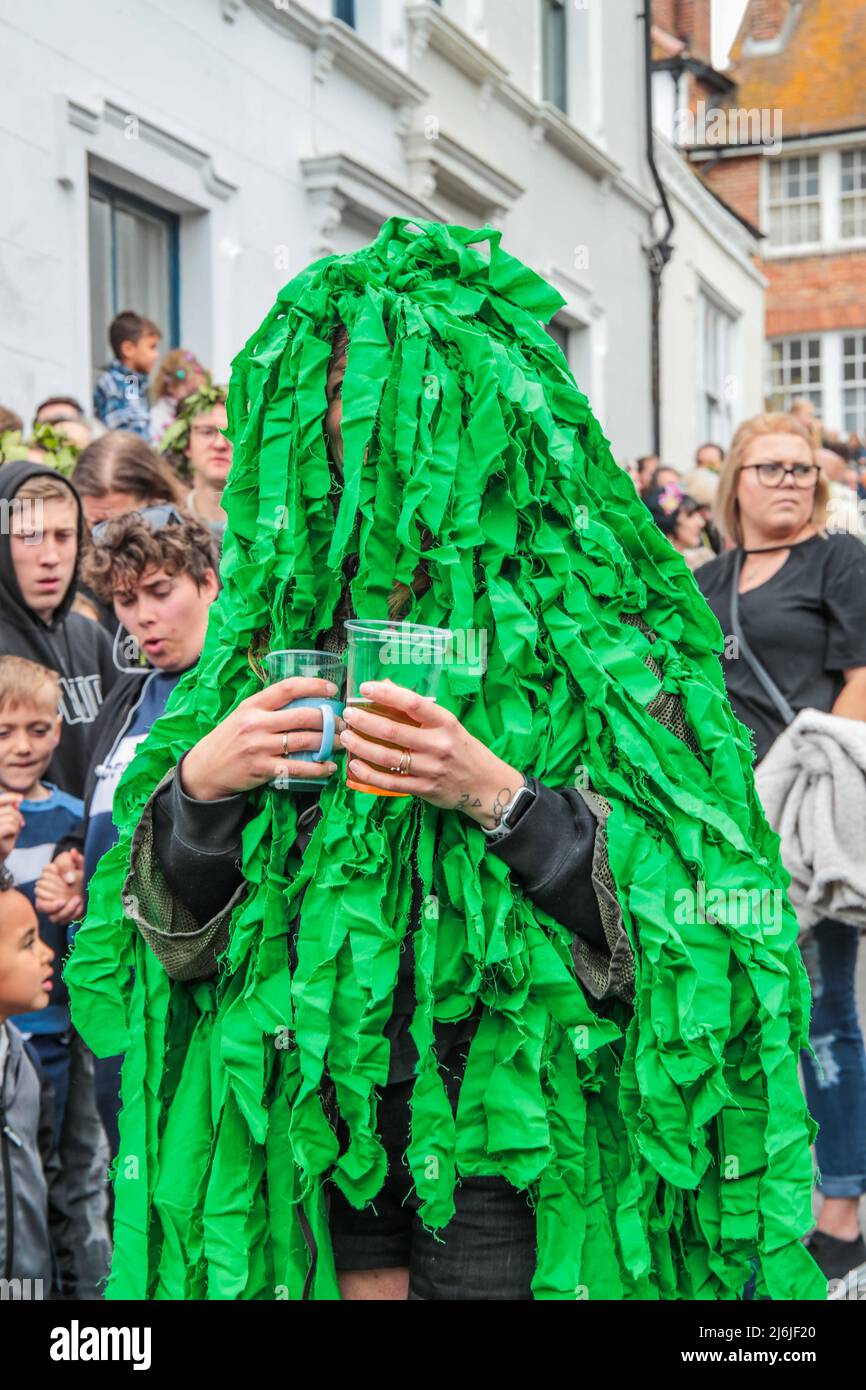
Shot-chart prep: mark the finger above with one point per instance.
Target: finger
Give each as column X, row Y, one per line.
column 290, row 767
column 382, row 756
column 421, row 708
column 295, row 688
column 77, row 858
column 307, row 717
column 389, row 782
column 11, row 798
column 50, row 891
column 384, row 730
column 48, row 903
column 283, row 745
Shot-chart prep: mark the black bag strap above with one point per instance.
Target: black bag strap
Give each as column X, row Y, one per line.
column 763, row 675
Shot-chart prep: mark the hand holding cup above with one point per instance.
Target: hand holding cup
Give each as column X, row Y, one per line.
column 255, row 743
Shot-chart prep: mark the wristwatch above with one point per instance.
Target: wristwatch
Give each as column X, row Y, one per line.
column 517, row 807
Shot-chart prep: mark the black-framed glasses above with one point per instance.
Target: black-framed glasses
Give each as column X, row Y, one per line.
column 772, row 474
column 155, row 517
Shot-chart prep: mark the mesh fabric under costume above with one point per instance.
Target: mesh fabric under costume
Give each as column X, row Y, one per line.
column 664, row 1142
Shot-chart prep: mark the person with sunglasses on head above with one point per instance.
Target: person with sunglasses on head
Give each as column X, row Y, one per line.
column 118, row 473
column 800, row 592
column 158, row 567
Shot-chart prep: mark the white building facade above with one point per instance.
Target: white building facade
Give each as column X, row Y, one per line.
column 185, row 160
column 712, row 318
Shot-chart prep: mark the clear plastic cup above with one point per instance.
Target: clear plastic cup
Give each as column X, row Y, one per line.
column 326, row 666
column 409, row 654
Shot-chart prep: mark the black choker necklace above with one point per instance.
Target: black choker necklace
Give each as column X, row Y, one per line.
column 766, row 549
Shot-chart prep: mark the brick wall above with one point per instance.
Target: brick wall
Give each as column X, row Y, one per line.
column 693, row 23
column 738, row 181
column 764, row 18
column 664, row 15
column 812, row 294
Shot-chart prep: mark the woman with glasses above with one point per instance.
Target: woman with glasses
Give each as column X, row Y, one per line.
column 198, row 447
column 800, row 591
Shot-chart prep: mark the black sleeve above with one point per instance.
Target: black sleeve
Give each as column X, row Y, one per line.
column 198, row 845
column 550, row 852
column 845, row 602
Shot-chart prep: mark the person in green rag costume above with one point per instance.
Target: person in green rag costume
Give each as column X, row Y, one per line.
column 573, row 1041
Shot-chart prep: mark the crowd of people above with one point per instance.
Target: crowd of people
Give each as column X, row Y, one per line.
column 109, row 559
column 682, row 502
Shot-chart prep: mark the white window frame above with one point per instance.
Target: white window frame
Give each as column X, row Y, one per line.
column 830, row 195
column 858, row 193
column 832, row 384
column 791, row 392
column 859, row 384
column 718, row 426
column 820, row 199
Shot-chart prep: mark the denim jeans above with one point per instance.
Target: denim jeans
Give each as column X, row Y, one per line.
column 836, row 1088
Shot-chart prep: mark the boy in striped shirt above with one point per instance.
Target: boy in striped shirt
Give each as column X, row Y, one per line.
column 34, row 816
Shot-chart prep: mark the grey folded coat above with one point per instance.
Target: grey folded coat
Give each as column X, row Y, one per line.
column 812, row 784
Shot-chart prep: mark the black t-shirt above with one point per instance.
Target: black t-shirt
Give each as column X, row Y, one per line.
column 806, row 625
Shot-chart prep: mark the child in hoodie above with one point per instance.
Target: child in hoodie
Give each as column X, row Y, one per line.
column 41, row 537
column 29, row 1212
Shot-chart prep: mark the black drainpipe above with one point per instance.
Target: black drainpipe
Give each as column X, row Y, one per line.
column 661, row 250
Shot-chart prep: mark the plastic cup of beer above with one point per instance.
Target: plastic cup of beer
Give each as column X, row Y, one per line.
column 409, row 654
column 325, row 666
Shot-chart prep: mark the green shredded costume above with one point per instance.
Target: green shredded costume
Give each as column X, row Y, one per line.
column 660, row 1134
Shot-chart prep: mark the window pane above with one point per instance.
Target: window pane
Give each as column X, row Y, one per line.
column 553, row 49
column 345, row 10
column 101, row 299
column 142, row 266
column 133, row 265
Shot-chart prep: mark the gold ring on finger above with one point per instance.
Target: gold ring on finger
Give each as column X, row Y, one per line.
column 404, row 771
column 286, row 744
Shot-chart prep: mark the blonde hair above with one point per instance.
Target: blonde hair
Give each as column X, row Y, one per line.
column 726, row 508
column 42, row 488
column 24, row 682
column 703, row 485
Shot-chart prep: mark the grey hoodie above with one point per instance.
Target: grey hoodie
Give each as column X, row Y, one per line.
column 25, row 1247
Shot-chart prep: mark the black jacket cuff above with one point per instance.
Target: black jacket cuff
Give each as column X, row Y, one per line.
column 550, row 853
